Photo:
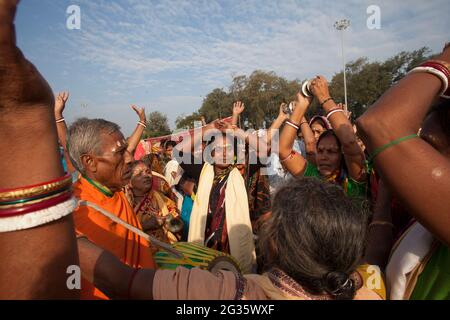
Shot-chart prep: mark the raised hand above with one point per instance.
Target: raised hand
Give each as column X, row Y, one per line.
column 140, row 112
column 319, row 88
column 21, row 84
column 282, row 114
column 238, row 107
column 302, row 102
column 60, row 103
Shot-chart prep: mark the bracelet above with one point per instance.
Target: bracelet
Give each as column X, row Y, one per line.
column 333, row 111
column 288, row 157
column 35, row 190
column 390, row 144
column 293, row 125
column 381, row 223
column 37, row 218
column 142, row 123
column 42, row 205
column 60, row 120
column 325, row 101
column 442, row 66
column 303, row 123
column 441, row 75
column 130, row 282
column 32, row 200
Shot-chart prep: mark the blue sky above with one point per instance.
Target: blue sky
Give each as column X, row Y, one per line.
column 168, row 55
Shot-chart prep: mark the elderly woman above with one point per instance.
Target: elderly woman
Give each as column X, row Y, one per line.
column 151, row 206
column 338, row 158
column 312, row 247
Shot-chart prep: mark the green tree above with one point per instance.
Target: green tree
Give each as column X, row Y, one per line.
column 157, row 125
column 367, row 81
column 188, row 122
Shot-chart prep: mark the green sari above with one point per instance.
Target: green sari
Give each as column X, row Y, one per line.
column 353, row 189
column 434, row 282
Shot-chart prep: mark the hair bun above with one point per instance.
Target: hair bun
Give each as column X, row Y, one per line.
column 339, row 285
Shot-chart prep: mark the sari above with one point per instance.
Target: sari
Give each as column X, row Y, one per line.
column 155, row 204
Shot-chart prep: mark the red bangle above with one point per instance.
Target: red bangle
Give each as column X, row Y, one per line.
column 437, row 66
column 130, row 283
column 67, row 176
column 334, row 109
column 11, row 212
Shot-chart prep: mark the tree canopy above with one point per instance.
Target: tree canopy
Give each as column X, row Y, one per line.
column 262, row 91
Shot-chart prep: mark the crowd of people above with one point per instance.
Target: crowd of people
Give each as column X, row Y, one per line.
column 308, row 209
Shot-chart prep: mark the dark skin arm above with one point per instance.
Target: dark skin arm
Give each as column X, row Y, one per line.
column 422, row 182
column 293, row 162
column 310, row 141
column 27, row 112
column 380, row 238
column 134, row 139
column 60, row 104
column 342, row 127
column 111, row 276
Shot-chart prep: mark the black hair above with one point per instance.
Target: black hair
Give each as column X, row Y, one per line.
column 442, row 110
column 169, row 143
column 316, row 235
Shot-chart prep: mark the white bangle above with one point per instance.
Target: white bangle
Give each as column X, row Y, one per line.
column 37, row 218
column 140, row 123
column 333, row 112
column 438, row 74
column 60, row 120
column 292, row 125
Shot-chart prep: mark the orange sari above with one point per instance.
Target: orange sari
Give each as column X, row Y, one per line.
column 125, row 245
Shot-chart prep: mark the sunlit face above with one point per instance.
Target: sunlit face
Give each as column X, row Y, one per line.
column 317, row 128
column 113, row 165
column 328, row 156
column 223, row 152
column 432, row 133
column 141, row 179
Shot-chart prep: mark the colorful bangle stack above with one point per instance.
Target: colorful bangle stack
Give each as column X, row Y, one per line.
column 142, row 123
column 20, row 201
column 441, row 69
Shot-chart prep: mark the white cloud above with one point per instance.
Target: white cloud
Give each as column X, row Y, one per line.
column 191, row 47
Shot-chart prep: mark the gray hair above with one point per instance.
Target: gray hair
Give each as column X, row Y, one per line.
column 85, row 137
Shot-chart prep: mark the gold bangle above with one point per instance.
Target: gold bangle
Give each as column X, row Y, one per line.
column 35, row 191
column 34, row 201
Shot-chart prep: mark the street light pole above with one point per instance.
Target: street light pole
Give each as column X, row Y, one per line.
column 341, row 26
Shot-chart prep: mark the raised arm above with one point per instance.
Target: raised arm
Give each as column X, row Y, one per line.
column 238, row 108
column 342, row 127
column 310, row 141
column 276, row 125
column 33, row 261
column 61, row 126
column 417, row 173
column 195, row 139
column 291, row 160
column 134, row 139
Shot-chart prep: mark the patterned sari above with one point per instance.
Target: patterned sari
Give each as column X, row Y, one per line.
column 155, row 204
